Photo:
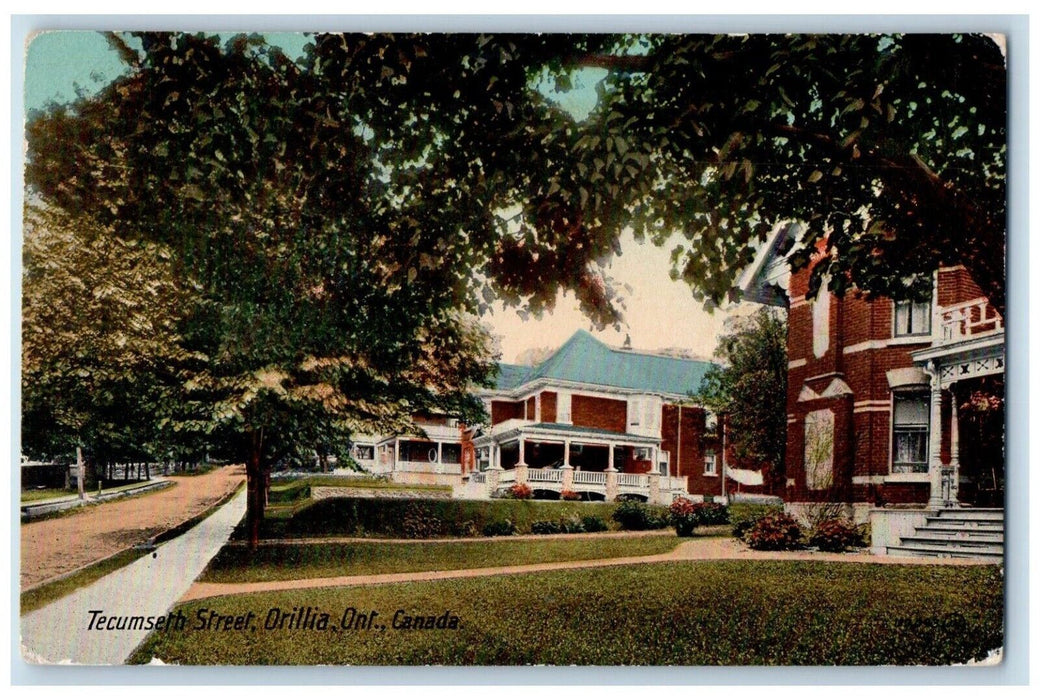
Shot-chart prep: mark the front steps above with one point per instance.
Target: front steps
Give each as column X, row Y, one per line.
column 974, row 533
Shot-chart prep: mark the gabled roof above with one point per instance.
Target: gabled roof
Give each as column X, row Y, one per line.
column 764, row 281
column 585, row 360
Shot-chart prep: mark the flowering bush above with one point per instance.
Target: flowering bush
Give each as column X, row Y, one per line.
column 774, row 532
column 633, row 515
column 835, row 536
column 520, row 491
column 683, row 516
column 712, row 514
column 567, row 495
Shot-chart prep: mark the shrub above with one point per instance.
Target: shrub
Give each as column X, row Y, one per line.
column 499, row 528
column 774, row 532
column 567, row 495
column 683, row 516
column 419, row 523
column 572, row 525
column 545, row 527
column 633, row 515
column 712, row 513
column 835, row 536
column 744, row 515
column 594, row 523
column 520, row 492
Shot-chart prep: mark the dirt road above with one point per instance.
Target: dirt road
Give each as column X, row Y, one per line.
column 60, row 545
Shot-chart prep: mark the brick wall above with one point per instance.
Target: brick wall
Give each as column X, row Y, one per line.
column 595, row 412
column 505, row 410
column 688, row 461
column 548, row 406
column 863, row 436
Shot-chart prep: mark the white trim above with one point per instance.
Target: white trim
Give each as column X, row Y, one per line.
column 875, row 402
column 586, row 389
column 795, row 364
column 865, row 345
column 861, row 480
column 911, row 478
column 872, row 409
column 952, row 268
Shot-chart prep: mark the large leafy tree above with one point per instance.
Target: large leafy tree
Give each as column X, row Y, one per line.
column 335, row 213
column 101, row 352
column 892, row 149
column 749, row 388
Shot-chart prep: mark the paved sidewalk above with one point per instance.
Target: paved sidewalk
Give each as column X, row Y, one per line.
column 58, row 633
column 706, row 549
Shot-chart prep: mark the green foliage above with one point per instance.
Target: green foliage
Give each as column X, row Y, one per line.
column 101, row 352
column 893, row 148
column 774, row 532
column 772, row 613
column 744, row 515
column 594, row 523
column 685, row 515
column 750, row 388
column 633, row 515
column 835, row 536
column 385, row 517
column 499, row 528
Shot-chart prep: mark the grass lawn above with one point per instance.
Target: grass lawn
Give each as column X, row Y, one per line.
column 683, row 613
column 235, row 564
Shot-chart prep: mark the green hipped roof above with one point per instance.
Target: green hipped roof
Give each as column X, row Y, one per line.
column 588, row 361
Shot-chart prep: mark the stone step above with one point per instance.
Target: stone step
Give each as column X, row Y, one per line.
column 993, row 554
column 980, row 514
column 954, row 530
column 959, row 543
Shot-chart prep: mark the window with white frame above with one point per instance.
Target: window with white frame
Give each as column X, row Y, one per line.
column 635, row 410
column 709, row 463
column 563, row 407
column 911, row 318
column 910, row 432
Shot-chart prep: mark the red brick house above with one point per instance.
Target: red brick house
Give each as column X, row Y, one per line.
column 601, row 421
column 889, row 403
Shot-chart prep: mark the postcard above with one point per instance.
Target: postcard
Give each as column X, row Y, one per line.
column 514, row 349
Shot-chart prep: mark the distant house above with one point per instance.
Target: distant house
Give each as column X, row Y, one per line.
column 432, row 458
column 890, row 403
column 599, row 421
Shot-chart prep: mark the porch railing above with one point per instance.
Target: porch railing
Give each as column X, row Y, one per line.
column 640, row 481
column 969, row 319
column 592, row 478
column 427, row 467
column 553, row 476
column 478, row 477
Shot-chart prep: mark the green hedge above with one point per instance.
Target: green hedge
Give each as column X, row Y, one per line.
column 421, row 518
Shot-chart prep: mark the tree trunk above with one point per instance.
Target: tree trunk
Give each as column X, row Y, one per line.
column 256, row 488
column 81, row 473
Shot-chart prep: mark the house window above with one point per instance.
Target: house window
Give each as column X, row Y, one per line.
column 364, row 452
column 635, row 410
column 563, row 407
column 912, row 318
column 910, row 433
column 709, row 463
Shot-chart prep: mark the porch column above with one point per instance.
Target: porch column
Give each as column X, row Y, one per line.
column 496, row 458
column 610, row 457
column 397, row 453
column 654, row 482
column 567, row 454
column 568, row 478
column 521, row 466
column 612, row 483
column 955, row 450
column 935, row 497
